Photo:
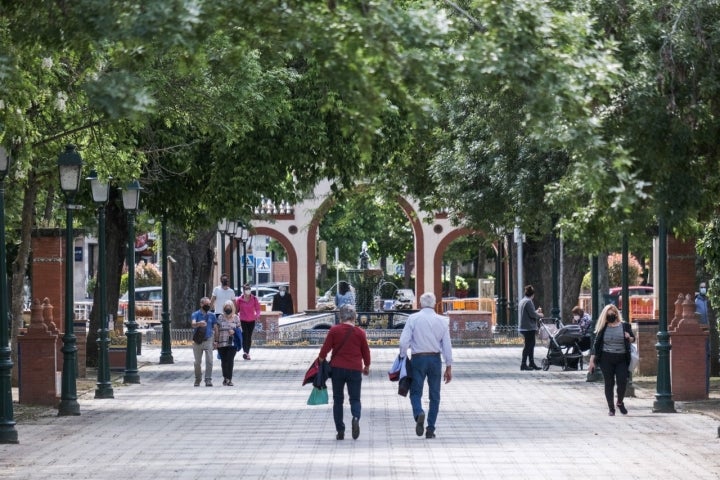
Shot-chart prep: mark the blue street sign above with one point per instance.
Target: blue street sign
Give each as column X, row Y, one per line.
column 250, row 261
column 263, row 264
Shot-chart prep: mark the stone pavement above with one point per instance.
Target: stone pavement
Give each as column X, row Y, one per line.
column 495, row 422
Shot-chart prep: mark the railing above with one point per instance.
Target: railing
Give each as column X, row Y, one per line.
column 146, row 313
column 641, row 306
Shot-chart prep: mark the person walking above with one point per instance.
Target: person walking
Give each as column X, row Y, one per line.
column 529, row 318
column 227, row 323
column 203, row 320
column 221, row 294
column 349, row 361
column 612, row 351
column 248, row 309
column 427, row 335
column 282, row 301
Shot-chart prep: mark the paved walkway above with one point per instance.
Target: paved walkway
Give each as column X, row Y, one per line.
column 495, row 422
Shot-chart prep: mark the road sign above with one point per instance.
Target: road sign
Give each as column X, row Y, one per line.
column 250, row 262
column 263, row 264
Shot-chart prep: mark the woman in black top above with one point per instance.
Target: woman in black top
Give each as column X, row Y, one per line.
column 612, row 352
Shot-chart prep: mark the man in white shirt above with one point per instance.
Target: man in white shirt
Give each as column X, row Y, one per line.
column 427, row 335
column 222, row 293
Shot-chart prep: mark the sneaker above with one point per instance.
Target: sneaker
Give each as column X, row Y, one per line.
column 340, row 436
column 420, row 425
column 208, row 383
column 225, row 381
column 611, row 412
column 246, row 356
column 621, row 407
column 197, row 383
column 230, row 383
column 430, row 433
column 355, row 428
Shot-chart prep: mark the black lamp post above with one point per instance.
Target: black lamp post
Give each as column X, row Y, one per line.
column 232, row 227
column 244, row 236
column 70, row 167
column 8, row 433
column 663, row 396
column 100, row 194
column 166, row 356
column 131, row 203
column 240, row 259
column 222, row 228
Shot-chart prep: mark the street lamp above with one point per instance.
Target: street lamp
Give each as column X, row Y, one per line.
column 100, row 193
column 131, row 203
column 166, row 356
column 8, row 433
column 222, row 228
column 232, row 227
column 244, row 235
column 70, row 167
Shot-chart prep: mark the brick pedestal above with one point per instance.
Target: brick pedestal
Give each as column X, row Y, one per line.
column 37, row 361
column 468, row 325
column 646, row 338
column 689, row 356
column 267, row 328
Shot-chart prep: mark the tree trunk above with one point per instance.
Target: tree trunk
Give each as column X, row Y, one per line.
column 20, row 265
column 192, row 274
column 116, row 232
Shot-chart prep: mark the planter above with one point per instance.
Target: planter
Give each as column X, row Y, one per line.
column 116, row 357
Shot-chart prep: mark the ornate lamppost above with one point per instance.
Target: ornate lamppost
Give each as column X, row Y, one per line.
column 232, row 227
column 663, row 396
column 100, row 194
column 8, row 433
column 244, row 236
column 70, row 167
column 222, row 228
column 166, row 356
column 131, row 203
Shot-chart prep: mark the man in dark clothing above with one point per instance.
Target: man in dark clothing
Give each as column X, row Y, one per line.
column 282, row 302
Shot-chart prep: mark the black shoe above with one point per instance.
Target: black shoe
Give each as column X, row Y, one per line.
column 208, row 383
column 430, row 434
column 229, row 383
column 355, row 428
column 420, row 425
column 611, row 412
column 197, row 383
column 340, row 436
column 534, row 367
column 524, row 367
column 225, row 381
column 621, row 407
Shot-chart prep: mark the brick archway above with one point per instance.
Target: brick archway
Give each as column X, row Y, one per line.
column 291, row 253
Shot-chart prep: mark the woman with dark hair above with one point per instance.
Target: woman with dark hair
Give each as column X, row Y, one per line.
column 345, row 295
column 528, row 326
column 612, row 351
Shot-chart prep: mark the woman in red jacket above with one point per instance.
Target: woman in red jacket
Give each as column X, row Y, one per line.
column 350, row 360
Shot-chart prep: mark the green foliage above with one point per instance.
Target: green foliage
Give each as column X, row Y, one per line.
column 146, row 275
column 615, row 270
column 461, row 283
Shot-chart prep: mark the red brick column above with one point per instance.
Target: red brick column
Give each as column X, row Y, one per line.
column 37, row 361
column 646, row 337
column 680, row 269
column 688, row 356
column 470, row 325
column 267, row 327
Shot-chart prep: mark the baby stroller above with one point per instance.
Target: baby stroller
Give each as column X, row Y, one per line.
column 565, row 345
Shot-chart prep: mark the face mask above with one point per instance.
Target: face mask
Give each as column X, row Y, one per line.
column 224, row 282
column 611, row 318
column 228, row 311
column 576, row 317
column 206, row 308
column 247, row 291
column 282, row 294
column 703, row 291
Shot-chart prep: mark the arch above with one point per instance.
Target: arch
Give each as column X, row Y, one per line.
column 289, row 249
column 440, row 251
column 409, row 212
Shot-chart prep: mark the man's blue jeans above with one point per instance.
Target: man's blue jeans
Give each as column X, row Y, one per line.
column 353, row 380
column 423, row 367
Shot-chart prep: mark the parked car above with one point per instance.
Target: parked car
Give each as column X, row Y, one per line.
column 615, row 294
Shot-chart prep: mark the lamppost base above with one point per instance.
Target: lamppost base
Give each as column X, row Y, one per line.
column 131, row 378
column 104, row 392
column 8, row 434
column 68, row 408
column 664, row 406
column 166, row 359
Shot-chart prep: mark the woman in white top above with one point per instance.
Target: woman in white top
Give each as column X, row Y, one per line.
column 227, row 322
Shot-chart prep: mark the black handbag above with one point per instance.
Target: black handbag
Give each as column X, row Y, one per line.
column 199, row 335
